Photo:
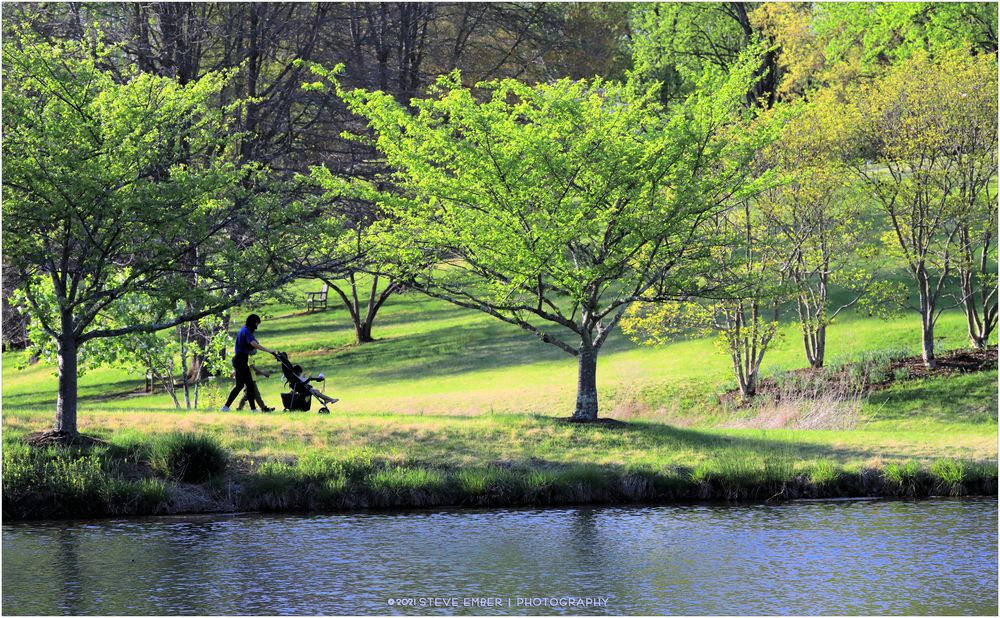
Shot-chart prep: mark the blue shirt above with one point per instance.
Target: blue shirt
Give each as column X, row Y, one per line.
column 243, row 340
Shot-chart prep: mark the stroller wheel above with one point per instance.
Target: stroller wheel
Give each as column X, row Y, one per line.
column 323, row 410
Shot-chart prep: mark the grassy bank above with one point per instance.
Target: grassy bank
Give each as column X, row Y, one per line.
column 176, row 473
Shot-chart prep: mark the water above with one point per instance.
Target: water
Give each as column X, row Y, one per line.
column 848, row 557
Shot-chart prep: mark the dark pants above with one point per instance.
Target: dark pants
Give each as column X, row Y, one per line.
column 244, row 377
column 248, row 395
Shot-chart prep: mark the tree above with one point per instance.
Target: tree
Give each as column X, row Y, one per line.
column 819, row 220
column 741, row 304
column 912, row 133
column 975, row 134
column 117, row 189
column 164, row 355
column 397, row 48
column 553, row 207
column 394, row 47
column 375, row 275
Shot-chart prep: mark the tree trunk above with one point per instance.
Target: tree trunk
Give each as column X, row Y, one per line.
column 926, row 320
column 586, row 394
column 816, row 346
column 197, row 369
column 363, row 331
column 979, row 326
column 748, row 384
column 977, row 338
column 820, row 347
column 746, row 373
column 927, row 342
column 66, row 401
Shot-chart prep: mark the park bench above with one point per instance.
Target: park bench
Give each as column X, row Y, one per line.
column 317, row 300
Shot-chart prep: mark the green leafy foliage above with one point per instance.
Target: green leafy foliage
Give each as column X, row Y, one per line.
column 877, row 33
column 675, row 42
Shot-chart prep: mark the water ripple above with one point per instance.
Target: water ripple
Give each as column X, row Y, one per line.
column 838, row 557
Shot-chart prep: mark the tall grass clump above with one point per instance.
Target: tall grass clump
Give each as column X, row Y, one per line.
column 981, row 477
column 583, row 483
column 903, row 478
column 311, row 482
column 740, row 474
column 825, row 474
column 490, row 485
column 274, row 486
column 950, row 475
column 404, row 485
column 868, row 368
column 141, row 496
column 188, row 457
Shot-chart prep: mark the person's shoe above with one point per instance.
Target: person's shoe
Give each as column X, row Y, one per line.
column 267, row 409
column 224, row 409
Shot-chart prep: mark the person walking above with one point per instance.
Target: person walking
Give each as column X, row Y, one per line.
column 246, row 344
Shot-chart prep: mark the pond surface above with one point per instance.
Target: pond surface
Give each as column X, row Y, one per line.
column 831, row 557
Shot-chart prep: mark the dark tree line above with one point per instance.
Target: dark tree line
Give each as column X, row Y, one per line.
column 398, row 48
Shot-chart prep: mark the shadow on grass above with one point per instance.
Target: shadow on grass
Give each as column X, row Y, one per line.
column 647, row 435
column 88, row 393
column 570, row 443
column 967, row 398
column 451, row 351
column 341, row 329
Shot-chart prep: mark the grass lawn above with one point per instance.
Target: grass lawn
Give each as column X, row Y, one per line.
column 454, row 389
column 433, row 358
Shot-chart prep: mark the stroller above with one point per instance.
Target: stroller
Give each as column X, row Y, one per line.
column 300, row 397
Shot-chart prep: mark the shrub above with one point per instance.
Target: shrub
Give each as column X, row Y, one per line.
column 869, row 368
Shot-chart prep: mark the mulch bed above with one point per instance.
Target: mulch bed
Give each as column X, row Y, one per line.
column 956, row 361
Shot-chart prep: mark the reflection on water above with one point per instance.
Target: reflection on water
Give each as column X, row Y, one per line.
column 931, row 557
